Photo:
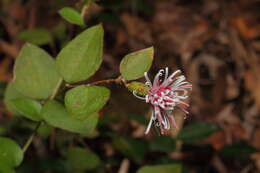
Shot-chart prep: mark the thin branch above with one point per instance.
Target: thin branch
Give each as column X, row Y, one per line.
column 107, row 81
column 118, row 80
column 124, row 167
column 30, row 139
column 55, row 91
column 85, row 8
column 9, row 49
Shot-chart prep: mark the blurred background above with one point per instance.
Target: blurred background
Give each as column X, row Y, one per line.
column 216, row 43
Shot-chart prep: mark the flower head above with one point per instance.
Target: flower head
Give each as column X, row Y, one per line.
column 165, row 93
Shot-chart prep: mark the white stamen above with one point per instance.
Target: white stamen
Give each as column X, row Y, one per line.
column 182, row 97
column 147, row 99
column 177, row 85
column 157, row 77
column 162, row 106
column 165, row 125
column 168, row 123
column 149, row 83
column 179, row 80
column 166, row 74
column 169, row 80
column 183, row 93
column 135, row 94
column 149, row 125
column 169, row 108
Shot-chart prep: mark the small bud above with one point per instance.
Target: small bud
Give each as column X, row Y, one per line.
column 139, row 88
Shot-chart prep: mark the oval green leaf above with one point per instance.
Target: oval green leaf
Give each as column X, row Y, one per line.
column 168, row 168
column 130, row 147
column 239, row 151
column 197, row 131
column 10, row 152
column 83, row 101
column 28, row 107
column 135, row 64
column 162, row 144
column 82, row 57
column 10, row 94
column 56, row 115
column 5, row 168
column 71, row 15
column 82, row 159
column 35, row 73
column 38, row 36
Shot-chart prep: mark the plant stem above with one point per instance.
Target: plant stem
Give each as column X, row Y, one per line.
column 56, row 89
column 83, row 11
column 85, row 8
column 30, row 139
column 118, row 80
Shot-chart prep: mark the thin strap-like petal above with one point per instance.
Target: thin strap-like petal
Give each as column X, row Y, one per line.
column 166, row 74
column 157, row 78
column 148, row 81
column 172, row 119
column 142, row 98
column 170, row 79
column 150, row 124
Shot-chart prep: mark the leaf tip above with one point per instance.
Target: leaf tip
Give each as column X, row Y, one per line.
column 151, row 50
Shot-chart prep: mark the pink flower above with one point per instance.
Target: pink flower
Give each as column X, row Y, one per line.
column 164, row 95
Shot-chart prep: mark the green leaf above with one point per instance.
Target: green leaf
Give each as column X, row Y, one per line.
column 82, row 159
column 135, row 64
column 35, row 73
column 138, row 118
column 56, row 115
column 44, row 130
column 138, row 87
column 10, row 152
column 162, row 144
column 83, row 101
column 3, row 131
column 72, row 16
column 82, row 57
column 132, row 148
column 5, row 168
column 168, row 168
column 59, row 32
column 197, row 131
column 28, row 107
column 10, row 94
column 38, row 36
column 240, row 150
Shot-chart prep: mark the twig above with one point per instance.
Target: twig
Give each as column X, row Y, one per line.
column 55, row 91
column 9, row 49
column 124, row 167
column 217, row 163
column 85, row 8
column 118, row 80
column 30, row 139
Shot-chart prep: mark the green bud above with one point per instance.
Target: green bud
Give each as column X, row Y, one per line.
column 139, row 88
